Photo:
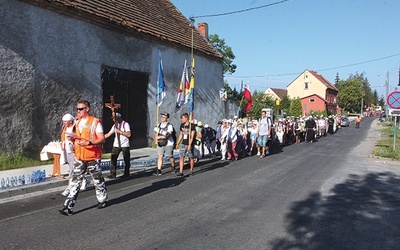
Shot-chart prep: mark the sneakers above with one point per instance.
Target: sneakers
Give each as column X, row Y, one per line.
column 173, row 170
column 262, row 156
column 249, row 153
column 158, row 172
column 102, row 205
column 66, row 192
column 66, row 211
column 267, row 153
column 180, row 174
column 258, row 153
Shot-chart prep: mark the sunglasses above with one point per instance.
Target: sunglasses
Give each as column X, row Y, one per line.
column 80, row 109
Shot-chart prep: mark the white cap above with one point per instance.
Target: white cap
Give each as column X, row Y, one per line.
column 206, row 126
column 68, row 117
column 118, row 115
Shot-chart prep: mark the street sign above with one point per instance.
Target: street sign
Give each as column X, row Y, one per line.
column 394, row 112
column 393, row 100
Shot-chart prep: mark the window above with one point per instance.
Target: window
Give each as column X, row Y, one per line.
column 312, row 100
column 305, row 85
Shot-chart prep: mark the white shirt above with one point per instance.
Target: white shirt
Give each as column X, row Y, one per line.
column 265, row 125
column 170, row 130
column 124, row 127
column 68, row 145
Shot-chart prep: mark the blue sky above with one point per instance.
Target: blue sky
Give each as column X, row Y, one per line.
column 273, row 45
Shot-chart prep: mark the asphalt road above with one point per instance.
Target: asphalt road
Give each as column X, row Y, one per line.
column 326, row 195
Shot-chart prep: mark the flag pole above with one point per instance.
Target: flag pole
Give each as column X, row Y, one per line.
column 240, row 105
column 191, row 66
column 158, row 91
column 157, row 107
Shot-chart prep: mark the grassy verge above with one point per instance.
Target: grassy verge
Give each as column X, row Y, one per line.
column 9, row 161
column 384, row 147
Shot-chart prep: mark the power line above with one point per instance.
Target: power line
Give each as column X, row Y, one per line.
column 319, row 70
column 239, row 11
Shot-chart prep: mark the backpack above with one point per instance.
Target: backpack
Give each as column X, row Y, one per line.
column 173, row 134
column 123, row 126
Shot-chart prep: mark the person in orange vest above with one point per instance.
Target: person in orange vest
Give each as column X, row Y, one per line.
column 67, row 143
column 358, row 121
column 88, row 152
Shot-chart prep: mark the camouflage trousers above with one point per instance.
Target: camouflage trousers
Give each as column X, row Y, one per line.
column 80, row 168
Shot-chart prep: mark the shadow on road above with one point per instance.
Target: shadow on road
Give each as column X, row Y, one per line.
column 155, row 186
column 361, row 213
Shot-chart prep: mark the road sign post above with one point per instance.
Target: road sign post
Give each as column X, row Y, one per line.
column 393, row 101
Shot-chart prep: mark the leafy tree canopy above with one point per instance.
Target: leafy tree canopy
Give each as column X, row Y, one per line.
column 295, row 107
column 353, row 90
column 226, row 52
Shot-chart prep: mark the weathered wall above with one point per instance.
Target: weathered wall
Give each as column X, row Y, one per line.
column 50, row 61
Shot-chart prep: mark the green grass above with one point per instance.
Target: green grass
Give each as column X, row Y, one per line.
column 384, row 147
column 10, row 161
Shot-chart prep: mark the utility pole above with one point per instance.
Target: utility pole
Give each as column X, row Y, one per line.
column 387, row 93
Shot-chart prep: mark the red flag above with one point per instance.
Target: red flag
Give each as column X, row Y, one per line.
column 247, row 95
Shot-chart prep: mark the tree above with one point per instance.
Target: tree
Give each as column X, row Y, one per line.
column 259, row 102
column 226, row 51
column 232, row 94
column 295, row 107
column 353, row 90
column 376, row 97
column 285, row 104
column 350, row 94
column 337, row 79
column 381, row 101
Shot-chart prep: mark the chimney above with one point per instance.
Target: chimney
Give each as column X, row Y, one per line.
column 203, row 29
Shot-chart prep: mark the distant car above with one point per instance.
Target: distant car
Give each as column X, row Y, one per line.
column 382, row 117
column 345, row 121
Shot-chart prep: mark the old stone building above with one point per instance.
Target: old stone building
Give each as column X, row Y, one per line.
column 56, row 52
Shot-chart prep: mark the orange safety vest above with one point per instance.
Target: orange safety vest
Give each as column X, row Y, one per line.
column 92, row 152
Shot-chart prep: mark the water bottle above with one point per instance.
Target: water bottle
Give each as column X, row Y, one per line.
column 40, row 176
column 28, row 179
column 33, row 177
column 12, row 182
column 3, row 183
column 7, row 182
column 23, row 180
column 44, row 174
column 19, row 180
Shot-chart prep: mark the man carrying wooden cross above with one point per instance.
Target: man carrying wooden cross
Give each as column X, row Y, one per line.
column 121, row 142
column 122, row 132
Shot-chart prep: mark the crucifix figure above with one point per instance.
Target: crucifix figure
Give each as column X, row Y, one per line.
column 113, row 106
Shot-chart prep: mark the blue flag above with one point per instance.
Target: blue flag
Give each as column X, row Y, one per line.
column 160, row 82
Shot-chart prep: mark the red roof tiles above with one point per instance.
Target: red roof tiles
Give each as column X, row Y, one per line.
column 156, row 20
column 323, row 80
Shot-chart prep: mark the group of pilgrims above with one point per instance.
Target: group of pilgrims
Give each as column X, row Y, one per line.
column 236, row 138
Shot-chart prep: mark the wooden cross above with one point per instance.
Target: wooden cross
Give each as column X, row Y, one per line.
column 113, row 106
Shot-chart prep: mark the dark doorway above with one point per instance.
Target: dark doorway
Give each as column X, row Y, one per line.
column 129, row 89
